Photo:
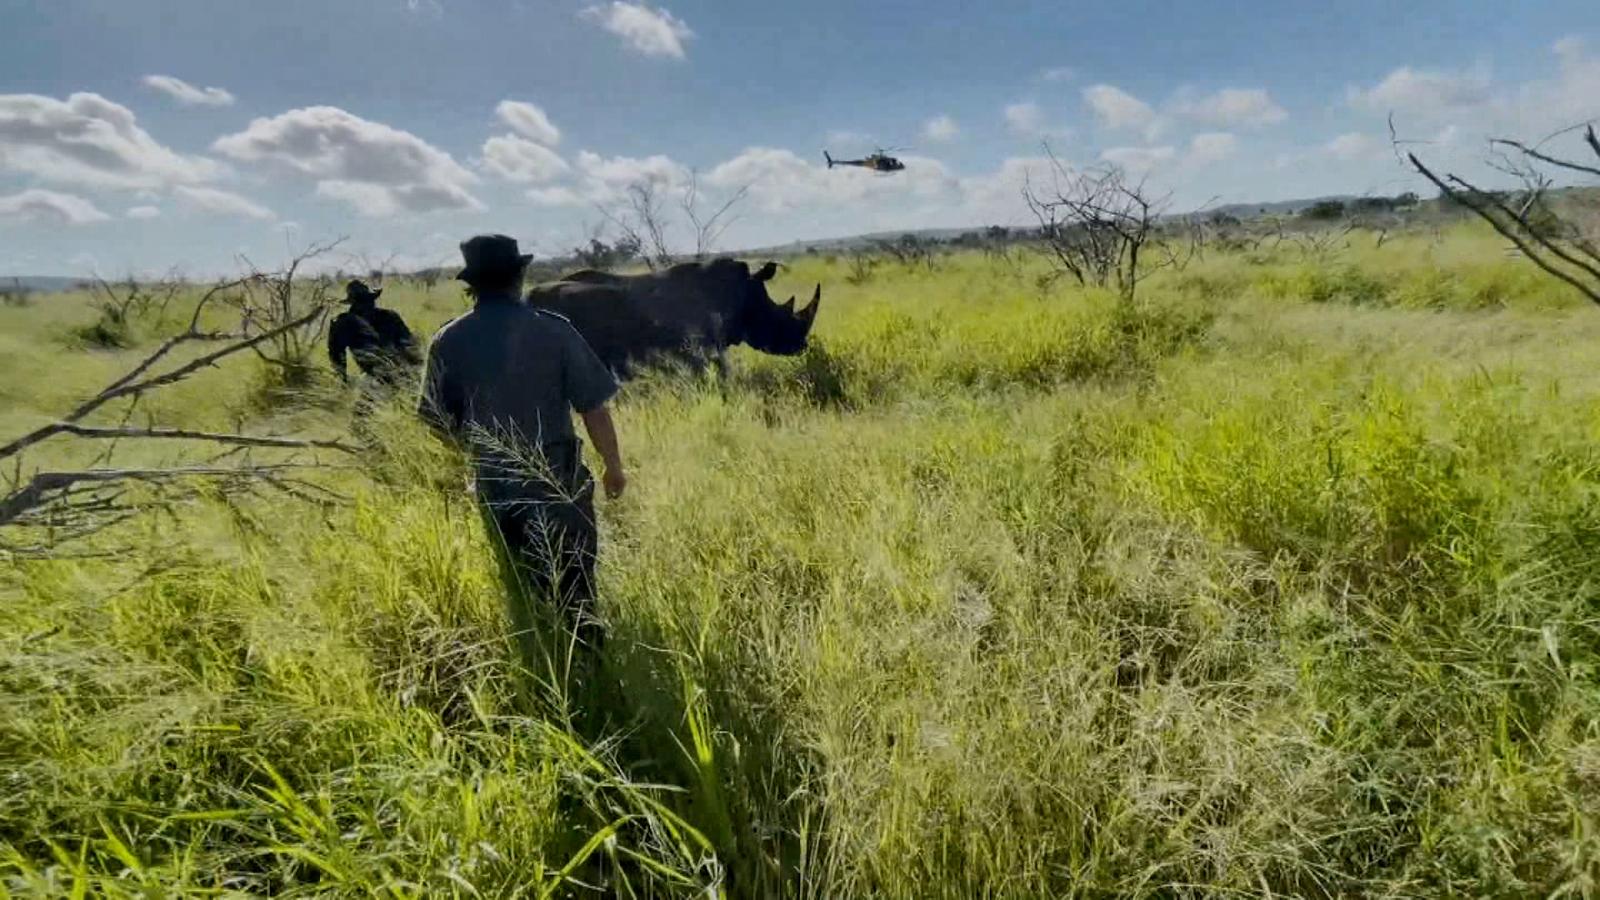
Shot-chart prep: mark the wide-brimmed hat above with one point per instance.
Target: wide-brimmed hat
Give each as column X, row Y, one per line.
column 357, row 291
column 490, row 257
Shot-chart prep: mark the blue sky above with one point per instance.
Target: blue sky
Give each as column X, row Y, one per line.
column 139, row 135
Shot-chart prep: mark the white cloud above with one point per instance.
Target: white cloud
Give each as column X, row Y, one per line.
column 529, row 121
column 89, row 140
column 1025, row 118
column 224, row 203
column 186, row 93
column 144, row 212
column 1569, row 49
column 1353, row 146
column 1421, row 92
column 1211, row 147
column 41, row 207
column 605, row 178
column 780, row 181
column 940, row 128
column 847, row 137
column 996, row 197
column 1139, row 160
column 1058, row 74
column 556, row 196
column 650, row 32
column 376, row 169
column 1230, row 106
column 1119, row 110
column 523, row 161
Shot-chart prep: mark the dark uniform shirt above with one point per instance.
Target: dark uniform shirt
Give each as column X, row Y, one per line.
column 507, row 373
column 378, row 339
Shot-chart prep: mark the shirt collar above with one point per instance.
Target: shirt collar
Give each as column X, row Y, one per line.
column 498, row 297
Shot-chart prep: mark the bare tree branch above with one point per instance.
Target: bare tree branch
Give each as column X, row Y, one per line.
column 1469, row 197
column 241, row 440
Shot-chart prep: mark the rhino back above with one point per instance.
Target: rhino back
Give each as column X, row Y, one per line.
column 683, row 311
column 611, row 319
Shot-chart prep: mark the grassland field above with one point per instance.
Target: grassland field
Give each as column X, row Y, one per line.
column 1283, row 580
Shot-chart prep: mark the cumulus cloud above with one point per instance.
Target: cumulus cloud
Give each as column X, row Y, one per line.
column 1468, row 103
column 556, row 196
column 90, row 141
column 376, row 169
column 940, row 128
column 1230, row 106
column 516, row 159
column 1211, row 147
column 1423, row 92
column 1028, row 120
column 41, row 207
column 529, row 121
column 188, row 94
column 1025, row 119
column 1139, row 159
column 1352, row 146
column 608, row 176
column 604, row 180
column 1119, row 110
column 780, row 181
column 222, row 203
column 997, row 196
column 144, row 212
column 1569, row 49
column 650, row 32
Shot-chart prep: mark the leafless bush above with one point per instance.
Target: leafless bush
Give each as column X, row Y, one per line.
column 910, row 251
column 640, row 221
column 290, row 306
column 125, row 303
column 1555, row 240
column 708, row 229
column 862, row 267
column 1097, row 226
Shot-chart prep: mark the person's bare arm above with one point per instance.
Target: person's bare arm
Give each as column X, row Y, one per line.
column 603, row 434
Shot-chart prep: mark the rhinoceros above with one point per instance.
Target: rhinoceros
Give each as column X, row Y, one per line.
column 690, row 313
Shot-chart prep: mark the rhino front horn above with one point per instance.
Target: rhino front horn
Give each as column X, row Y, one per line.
column 810, row 312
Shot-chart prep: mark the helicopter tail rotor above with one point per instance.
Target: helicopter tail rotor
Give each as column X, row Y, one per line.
column 829, row 158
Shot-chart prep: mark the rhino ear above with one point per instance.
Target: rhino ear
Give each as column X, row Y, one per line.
column 766, row 272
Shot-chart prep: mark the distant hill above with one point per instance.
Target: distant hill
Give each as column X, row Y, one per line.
column 56, row 283
column 860, row 241
column 40, row 284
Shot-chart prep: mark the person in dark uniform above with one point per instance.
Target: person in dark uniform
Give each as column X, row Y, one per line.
column 503, row 381
column 378, row 338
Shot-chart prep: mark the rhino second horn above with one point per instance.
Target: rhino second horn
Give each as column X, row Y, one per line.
column 788, row 305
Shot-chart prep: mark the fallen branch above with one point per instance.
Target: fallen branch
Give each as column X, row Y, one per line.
column 1468, row 196
column 241, row 440
column 45, row 487
column 127, row 386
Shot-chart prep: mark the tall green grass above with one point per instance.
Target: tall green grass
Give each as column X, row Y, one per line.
column 1247, row 589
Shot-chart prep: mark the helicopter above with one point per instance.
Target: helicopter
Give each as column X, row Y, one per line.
column 878, row 161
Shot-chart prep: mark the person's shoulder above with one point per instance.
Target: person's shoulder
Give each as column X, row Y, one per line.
column 451, row 328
